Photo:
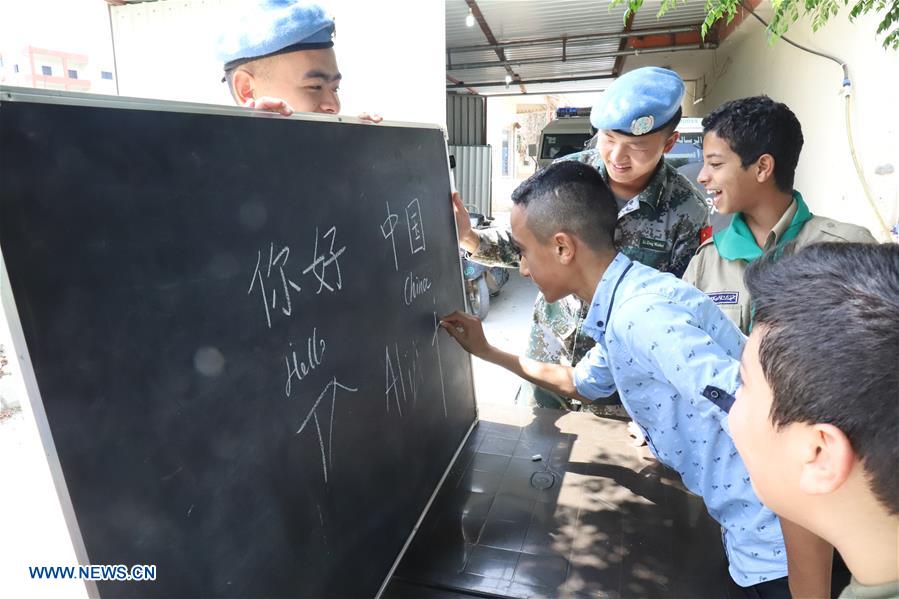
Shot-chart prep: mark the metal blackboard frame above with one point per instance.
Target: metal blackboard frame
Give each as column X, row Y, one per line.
column 25, row 94
column 23, row 359
column 20, row 94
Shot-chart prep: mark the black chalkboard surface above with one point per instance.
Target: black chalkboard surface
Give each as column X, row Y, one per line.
column 232, row 324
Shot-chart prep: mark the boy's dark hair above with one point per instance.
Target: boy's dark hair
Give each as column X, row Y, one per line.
column 572, row 197
column 830, row 350
column 756, row 126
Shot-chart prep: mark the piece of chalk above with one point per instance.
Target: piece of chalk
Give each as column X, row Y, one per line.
column 536, row 457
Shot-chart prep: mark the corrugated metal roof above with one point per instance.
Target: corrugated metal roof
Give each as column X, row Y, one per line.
column 549, row 88
column 535, row 18
column 516, row 20
column 457, row 33
column 545, row 71
column 479, row 75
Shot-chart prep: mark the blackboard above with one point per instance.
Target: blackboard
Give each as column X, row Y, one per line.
column 231, row 321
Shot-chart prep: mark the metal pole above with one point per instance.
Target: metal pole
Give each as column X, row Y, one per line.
column 587, row 37
column 579, row 57
column 115, row 63
column 556, row 80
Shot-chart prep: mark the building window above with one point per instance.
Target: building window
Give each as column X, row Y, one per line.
column 106, row 75
column 73, row 74
column 45, row 70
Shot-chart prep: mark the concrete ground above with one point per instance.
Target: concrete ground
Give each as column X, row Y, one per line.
column 507, row 326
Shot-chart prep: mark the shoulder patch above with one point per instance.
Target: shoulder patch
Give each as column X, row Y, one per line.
column 725, row 297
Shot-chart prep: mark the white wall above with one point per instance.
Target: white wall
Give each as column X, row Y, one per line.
column 746, row 65
column 388, row 66
column 33, row 530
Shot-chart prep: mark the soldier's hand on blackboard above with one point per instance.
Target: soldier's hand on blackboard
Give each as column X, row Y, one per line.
column 467, row 238
column 468, row 331
column 371, row 117
column 270, row 105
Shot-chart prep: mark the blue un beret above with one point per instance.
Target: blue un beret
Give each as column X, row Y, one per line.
column 275, row 27
column 639, row 102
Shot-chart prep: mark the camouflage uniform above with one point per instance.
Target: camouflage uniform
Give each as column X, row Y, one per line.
column 659, row 227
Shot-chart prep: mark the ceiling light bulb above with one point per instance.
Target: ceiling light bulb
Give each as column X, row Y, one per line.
column 469, row 20
column 508, row 79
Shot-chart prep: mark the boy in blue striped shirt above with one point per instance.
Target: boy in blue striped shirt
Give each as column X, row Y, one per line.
column 670, row 352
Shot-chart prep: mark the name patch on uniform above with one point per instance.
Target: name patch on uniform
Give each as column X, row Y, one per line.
column 725, row 297
column 647, row 243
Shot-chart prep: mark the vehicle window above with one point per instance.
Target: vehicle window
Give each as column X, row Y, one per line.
column 562, row 144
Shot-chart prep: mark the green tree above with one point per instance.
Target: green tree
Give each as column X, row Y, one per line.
column 787, row 12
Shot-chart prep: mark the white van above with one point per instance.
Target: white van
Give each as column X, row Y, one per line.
column 566, row 134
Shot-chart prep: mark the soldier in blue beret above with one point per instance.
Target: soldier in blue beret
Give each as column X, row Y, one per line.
column 279, row 56
column 640, row 103
column 659, row 220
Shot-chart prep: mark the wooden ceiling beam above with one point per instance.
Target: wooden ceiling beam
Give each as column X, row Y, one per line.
column 491, row 39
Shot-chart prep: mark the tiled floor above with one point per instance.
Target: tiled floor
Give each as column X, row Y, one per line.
column 593, row 517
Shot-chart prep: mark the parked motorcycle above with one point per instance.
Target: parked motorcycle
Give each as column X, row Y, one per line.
column 481, row 282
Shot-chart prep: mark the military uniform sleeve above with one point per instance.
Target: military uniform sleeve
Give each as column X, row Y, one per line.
column 495, row 248
column 588, row 157
column 694, row 217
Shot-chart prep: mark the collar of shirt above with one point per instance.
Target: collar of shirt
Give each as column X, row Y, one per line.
column 736, row 242
column 604, row 297
column 781, row 227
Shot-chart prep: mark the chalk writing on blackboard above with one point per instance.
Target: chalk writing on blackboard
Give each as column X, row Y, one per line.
column 327, row 456
column 416, row 228
column 416, row 378
column 387, row 228
column 321, row 262
column 414, row 287
column 299, row 367
column 278, row 260
column 283, row 286
column 435, row 341
column 402, row 374
column 391, row 379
